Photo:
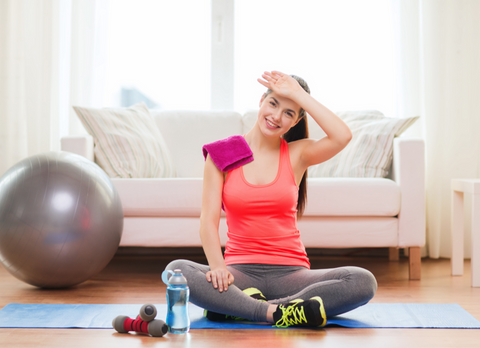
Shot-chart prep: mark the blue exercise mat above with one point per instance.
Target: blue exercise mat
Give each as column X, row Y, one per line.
column 372, row 315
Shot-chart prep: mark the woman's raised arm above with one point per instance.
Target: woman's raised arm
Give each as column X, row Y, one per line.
column 338, row 133
column 218, row 275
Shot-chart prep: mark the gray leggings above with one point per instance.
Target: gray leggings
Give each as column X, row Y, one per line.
column 341, row 289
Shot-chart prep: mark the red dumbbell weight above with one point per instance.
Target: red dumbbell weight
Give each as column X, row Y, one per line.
column 155, row 327
column 144, row 323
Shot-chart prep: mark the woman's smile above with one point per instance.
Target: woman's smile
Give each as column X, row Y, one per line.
column 270, row 124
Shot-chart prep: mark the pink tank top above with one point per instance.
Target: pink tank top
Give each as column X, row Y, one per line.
column 262, row 219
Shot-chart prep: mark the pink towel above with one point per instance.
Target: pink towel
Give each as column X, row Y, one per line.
column 229, row 153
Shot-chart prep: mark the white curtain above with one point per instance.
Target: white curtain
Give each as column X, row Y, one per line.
column 44, row 69
column 28, row 115
column 88, row 57
column 439, row 79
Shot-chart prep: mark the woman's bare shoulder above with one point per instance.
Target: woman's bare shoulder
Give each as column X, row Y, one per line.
column 299, row 145
column 296, row 149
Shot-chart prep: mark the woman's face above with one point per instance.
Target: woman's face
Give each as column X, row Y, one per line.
column 277, row 114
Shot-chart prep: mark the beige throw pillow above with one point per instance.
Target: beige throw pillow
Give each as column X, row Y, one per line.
column 128, row 143
column 370, row 152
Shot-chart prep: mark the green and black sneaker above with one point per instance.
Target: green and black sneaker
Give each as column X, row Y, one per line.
column 213, row 316
column 255, row 293
column 300, row 313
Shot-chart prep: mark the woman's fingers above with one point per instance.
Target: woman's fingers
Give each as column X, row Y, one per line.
column 220, row 279
column 214, row 280
column 223, row 283
column 266, row 84
column 226, row 282
column 269, row 83
column 278, row 73
column 269, row 77
column 274, row 75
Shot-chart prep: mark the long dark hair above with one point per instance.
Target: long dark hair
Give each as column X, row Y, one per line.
column 299, row 131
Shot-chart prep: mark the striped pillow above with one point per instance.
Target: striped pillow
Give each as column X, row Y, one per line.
column 128, row 143
column 370, row 152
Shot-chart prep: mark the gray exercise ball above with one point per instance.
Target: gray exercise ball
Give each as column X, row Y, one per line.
column 61, row 219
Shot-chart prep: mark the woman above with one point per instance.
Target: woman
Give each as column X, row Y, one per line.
column 265, row 274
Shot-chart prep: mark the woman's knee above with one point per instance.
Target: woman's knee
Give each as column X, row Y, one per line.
column 365, row 281
column 178, row 264
column 189, row 268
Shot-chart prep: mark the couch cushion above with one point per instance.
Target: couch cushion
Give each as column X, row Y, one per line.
column 316, row 232
column 352, row 197
column 185, row 133
column 369, row 153
column 348, row 231
column 127, row 142
column 166, row 232
column 326, row 197
column 165, row 197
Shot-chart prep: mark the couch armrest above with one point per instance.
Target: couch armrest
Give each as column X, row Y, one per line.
column 79, row 144
column 408, row 170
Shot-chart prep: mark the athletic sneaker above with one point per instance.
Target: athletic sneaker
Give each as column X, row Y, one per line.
column 252, row 292
column 309, row 313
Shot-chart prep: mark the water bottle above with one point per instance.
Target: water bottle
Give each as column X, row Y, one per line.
column 178, row 294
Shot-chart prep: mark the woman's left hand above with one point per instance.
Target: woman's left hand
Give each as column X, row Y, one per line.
column 280, row 83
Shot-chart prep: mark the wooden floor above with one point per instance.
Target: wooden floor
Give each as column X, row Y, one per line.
column 136, row 279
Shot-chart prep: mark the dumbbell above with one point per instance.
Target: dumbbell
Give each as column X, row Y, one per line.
column 153, row 327
column 148, row 312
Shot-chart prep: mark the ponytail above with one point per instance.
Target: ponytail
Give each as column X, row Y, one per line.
column 297, row 132
column 300, row 131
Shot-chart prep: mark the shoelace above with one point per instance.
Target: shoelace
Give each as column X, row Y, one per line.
column 291, row 315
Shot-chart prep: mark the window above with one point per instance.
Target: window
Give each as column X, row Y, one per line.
column 342, row 48
column 159, row 51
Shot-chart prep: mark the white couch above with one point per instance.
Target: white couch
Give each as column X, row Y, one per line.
column 340, row 212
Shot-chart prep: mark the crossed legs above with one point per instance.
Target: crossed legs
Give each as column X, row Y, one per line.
column 341, row 289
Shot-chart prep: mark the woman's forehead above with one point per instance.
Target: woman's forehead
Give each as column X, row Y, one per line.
column 284, row 102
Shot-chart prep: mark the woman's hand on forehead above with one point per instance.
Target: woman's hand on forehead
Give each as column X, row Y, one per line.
column 282, row 84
